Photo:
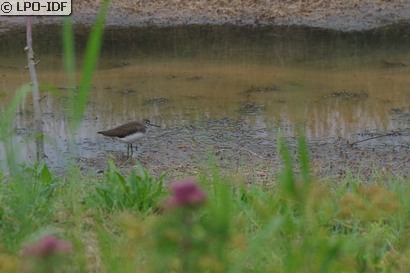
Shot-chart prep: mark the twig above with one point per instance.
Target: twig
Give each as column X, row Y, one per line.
column 255, row 154
column 36, row 93
column 370, row 138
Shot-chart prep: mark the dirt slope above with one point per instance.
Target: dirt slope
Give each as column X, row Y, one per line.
column 334, row 14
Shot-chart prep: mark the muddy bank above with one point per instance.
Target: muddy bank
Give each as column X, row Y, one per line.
column 252, row 152
column 338, row 15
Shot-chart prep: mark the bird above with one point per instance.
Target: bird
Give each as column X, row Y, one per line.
column 129, row 132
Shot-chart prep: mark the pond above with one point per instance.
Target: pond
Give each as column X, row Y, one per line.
column 352, row 85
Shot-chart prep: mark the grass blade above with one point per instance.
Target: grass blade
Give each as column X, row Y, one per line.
column 6, row 126
column 69, row 52
column 90, row 62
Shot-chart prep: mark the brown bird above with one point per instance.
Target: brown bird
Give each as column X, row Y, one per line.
column 129, row 132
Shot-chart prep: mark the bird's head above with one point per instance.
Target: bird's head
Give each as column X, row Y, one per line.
column 148, row 122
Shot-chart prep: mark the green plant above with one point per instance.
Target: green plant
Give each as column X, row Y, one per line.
column 78, row 101
column 26, row 202
column 138, row 190
column 6, row 133
column 193, row 233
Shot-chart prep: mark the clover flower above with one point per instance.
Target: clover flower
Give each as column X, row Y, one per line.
column 185, row 193
column 47, row 247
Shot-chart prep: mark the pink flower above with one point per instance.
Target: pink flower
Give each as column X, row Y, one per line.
column 46, row 247
column 185, row 193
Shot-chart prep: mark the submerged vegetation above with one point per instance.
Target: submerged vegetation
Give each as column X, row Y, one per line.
column 214, row 222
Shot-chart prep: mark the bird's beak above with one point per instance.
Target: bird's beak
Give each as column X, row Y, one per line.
column 153, row 125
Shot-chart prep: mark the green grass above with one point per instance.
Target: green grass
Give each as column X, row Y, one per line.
column 136, row 191
column 117, row 223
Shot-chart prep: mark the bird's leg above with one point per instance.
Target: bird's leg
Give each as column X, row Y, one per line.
column 128, row 150
column 131, row 149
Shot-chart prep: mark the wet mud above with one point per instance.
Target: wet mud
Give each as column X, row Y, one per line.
column 252, row 153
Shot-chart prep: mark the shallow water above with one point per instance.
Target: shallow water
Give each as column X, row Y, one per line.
column 335, row 84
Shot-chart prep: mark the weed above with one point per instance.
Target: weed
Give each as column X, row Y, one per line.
column 26, row 202
column 138, row 190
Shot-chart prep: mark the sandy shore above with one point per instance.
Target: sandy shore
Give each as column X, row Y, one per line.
column 333, row 14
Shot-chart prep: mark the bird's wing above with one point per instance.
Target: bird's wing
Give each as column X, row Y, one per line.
column 124, row 130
